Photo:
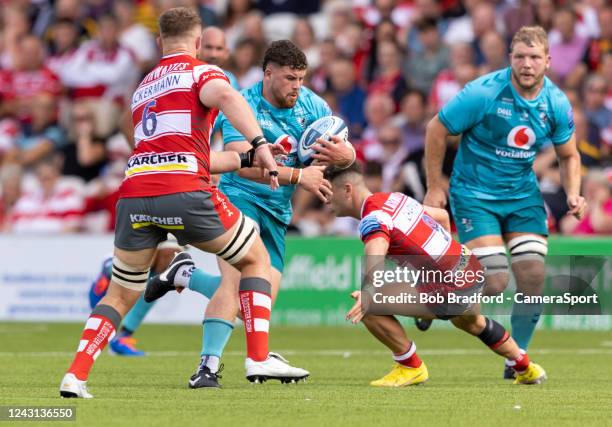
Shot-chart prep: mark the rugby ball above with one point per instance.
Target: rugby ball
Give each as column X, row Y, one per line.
column 321, row 128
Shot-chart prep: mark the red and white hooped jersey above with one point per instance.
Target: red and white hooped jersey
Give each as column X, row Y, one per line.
column 171, row 129
column 402, row 221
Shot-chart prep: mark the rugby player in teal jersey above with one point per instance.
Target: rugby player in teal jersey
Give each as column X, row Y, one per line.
column 284, row 109
column 504, row 119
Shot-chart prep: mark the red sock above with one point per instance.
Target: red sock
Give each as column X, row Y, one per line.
column 409, row 358
column 521, row 363
column 255, row 308
column 98, row 331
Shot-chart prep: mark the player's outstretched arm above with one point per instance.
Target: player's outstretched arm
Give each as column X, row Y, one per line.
column 435, row 150
column 218, row 93
column 375, row 251
column 256, row 173
column 225, row 161
column 310, row 178
column 569, row 165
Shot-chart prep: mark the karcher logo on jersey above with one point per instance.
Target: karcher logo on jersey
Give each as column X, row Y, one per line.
column 522, row 137
column 161, row 163
column 166, row 222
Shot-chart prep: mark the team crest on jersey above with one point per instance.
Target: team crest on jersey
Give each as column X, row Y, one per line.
column 288, row 142
column 522, row 137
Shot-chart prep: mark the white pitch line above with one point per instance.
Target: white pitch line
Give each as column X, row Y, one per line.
column 333, row 353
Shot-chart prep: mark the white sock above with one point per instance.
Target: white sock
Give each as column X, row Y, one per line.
column 212, row 362
column 183, row 275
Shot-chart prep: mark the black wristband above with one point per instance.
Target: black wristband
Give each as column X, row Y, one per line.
column 257, row 141
column 273, row 173
column 246, row 158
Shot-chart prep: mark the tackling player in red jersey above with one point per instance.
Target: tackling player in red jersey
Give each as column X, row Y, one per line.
column 394, row 225
column 167, row 188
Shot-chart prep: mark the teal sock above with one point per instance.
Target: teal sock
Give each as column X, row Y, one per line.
column 204, row 283
column 215, row 335
column 524, row 321
column 137, row 314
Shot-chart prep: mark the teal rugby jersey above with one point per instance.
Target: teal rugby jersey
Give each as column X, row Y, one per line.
column 282, row 125
column 501, row 135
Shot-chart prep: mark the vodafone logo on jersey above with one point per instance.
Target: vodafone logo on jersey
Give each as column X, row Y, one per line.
column 288, row 142
column 522, row 137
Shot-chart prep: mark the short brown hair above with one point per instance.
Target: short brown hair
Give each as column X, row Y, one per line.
column 178, row 21
column 285, row 53
column 531, row 36
column 332, row 173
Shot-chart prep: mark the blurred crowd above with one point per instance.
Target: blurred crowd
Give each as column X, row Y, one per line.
column 68, row 69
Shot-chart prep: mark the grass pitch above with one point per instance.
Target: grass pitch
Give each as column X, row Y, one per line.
column 465, row 386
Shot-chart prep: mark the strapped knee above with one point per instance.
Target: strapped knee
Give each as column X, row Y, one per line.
column 493, row 334
column 241, row 241
column 129, row 277
column 492, row 258
column 529, row 247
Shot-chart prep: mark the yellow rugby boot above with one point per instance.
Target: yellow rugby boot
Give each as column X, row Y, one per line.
column 534, row 374
column 401, row 376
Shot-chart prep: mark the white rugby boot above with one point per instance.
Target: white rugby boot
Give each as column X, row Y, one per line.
column 73, row 387
column 275, row 367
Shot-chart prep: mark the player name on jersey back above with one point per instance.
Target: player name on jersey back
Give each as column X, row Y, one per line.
column 171, row 129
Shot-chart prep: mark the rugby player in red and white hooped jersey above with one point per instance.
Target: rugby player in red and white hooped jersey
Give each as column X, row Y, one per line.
column 167, row 189
column 396, row 226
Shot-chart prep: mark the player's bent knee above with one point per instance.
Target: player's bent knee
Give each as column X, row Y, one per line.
column 241, row 241
column 129, row 277
column 495, row 263
column 470, row 323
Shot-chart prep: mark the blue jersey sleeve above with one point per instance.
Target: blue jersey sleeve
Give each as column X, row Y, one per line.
column 465, row 110
column 377, row 223
column 564, row 120
column 230, row 134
